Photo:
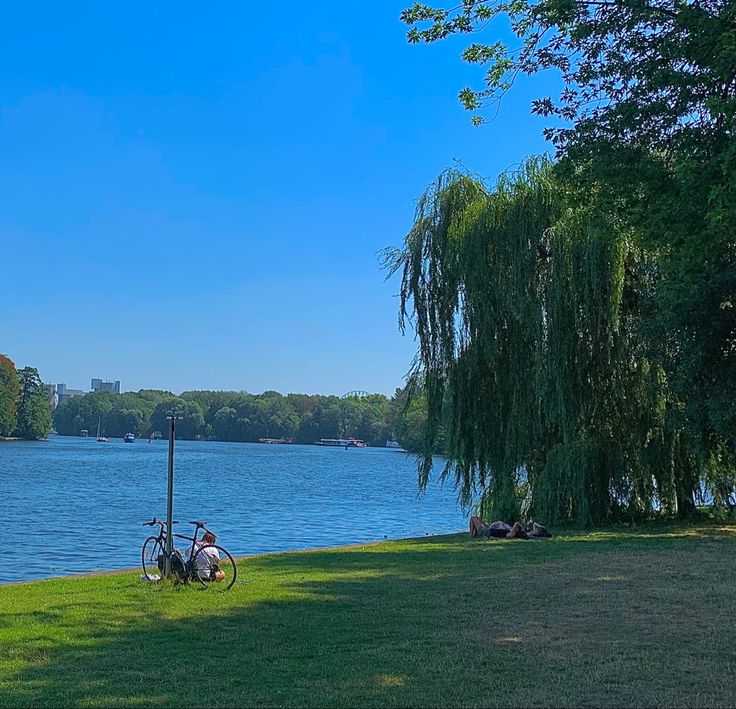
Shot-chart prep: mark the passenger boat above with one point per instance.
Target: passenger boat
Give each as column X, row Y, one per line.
column 129, row 438
column 341, row 442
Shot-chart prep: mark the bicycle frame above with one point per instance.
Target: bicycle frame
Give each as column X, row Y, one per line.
column 163, row 534
column 157, row 555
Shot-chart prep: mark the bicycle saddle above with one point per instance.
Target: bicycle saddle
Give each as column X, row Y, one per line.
column 198, row 524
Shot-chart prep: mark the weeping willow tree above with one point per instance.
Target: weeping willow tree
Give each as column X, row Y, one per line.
column 530, row 358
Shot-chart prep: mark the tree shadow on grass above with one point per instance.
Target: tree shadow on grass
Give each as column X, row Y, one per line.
column 440, row 623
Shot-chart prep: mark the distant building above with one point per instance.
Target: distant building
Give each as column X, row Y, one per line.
column 63, row 393
column 51, row 394
column 99, row 385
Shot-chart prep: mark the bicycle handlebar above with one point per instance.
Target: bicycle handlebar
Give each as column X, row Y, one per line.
column 159, row 521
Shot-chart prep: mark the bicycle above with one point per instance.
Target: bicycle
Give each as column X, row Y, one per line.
column 205, row 563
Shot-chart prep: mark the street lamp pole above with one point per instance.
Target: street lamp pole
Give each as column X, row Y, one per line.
column 170, row 498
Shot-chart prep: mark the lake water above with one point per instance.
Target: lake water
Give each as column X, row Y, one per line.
column 73, row 505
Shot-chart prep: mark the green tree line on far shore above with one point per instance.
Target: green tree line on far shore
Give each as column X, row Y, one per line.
column 239, row 416
column 25, row 409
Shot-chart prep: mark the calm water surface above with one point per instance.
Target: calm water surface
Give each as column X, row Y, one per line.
column 80, row 504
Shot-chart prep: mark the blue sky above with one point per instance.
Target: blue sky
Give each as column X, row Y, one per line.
column 194, row 196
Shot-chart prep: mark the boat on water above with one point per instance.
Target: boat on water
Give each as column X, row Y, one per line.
column 276, row 440
column 100, row 439
column 129, row 438
column 392, row 444
column 156, row 435
column 341, row 443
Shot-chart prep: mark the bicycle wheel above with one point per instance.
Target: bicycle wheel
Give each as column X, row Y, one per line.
column 214, row 568
column 152, row 559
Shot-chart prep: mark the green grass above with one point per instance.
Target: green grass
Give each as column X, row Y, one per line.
column 639, row 616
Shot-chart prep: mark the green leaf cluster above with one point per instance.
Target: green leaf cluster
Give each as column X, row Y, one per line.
column 654, row 73
column 645, row 131
column 528, row 304
column 25, row 408
column 34, row 418
column 9, row 395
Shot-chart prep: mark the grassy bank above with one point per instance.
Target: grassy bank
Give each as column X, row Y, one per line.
column 631, row 617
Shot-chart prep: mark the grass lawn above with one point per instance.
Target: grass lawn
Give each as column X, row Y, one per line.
column 638, row 616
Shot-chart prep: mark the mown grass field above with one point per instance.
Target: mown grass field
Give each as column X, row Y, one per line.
column 630, row 617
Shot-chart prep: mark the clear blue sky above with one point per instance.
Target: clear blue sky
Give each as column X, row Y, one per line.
column 192, row 196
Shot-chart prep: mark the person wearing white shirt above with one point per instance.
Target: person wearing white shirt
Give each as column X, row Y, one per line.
column 207, row 557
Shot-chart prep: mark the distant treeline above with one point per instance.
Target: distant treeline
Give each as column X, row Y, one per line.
column 238, row 416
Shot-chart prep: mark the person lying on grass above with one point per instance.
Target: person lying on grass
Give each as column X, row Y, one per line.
column 501, row 530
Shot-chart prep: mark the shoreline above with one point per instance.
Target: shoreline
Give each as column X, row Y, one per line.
column 242, row 557
column 217, row 440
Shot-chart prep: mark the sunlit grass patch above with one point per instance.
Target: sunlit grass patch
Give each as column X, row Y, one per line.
column 630, row 616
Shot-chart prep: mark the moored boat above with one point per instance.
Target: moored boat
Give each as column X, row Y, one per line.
column 100, row 439
column 276, row 440
column 341, row 442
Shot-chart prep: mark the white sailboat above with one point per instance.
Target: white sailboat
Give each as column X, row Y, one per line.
column 100, row 439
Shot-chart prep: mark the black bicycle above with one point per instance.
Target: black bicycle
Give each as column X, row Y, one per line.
column 209, row 565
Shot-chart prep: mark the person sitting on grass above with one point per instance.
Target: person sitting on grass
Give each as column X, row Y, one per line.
column 501, row 530
column 207, row 558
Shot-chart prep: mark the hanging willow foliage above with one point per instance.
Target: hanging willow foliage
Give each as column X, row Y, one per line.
column 524, row 305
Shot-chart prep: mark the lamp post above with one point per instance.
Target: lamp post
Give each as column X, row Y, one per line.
column 170, row 497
